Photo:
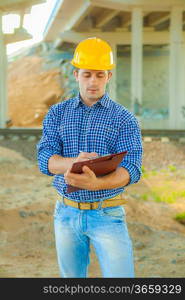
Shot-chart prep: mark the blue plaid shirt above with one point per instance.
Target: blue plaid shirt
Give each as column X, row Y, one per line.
column 105, row 127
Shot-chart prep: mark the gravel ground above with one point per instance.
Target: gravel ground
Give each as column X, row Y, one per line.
column 26, row 225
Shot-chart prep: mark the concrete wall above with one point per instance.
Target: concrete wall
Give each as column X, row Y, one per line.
column 154, row 111
column 155, row 82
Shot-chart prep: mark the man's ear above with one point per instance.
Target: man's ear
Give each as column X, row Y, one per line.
column 109, row 75
column 75, row 73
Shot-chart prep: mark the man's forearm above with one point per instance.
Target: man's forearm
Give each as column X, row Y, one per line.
column 116, row 179
column 59, row 165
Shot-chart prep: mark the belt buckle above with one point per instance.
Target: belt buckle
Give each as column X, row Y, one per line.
column 87, row 205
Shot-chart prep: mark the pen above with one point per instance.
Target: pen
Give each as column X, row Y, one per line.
column 96, row 156
column 90, row 156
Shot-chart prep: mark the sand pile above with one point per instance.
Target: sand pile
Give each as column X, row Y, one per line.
column 31, row 91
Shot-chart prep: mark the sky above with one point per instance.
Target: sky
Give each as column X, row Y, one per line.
column 34, row 23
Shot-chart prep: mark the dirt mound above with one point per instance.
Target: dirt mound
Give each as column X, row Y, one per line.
column 18, row 180
column 12, row 163
column 8, row 155
column 159, row 216
column 31, row 90
column 160, row 155
column 27, row 202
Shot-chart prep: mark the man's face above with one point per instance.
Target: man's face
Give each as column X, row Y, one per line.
column 92, row 83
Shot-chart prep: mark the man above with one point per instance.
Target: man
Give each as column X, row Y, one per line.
column 77, row 129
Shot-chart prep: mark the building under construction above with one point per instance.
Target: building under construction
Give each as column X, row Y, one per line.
column 148, row 42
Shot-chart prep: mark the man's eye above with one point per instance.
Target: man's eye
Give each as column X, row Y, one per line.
column 86, row 75
column 101, row 74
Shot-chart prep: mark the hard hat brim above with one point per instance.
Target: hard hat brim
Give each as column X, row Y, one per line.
column 88, row 67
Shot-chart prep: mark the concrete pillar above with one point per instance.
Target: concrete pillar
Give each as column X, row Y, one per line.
column 176, row 70
column 3, row 75
column 112, row 84
column 136, row 57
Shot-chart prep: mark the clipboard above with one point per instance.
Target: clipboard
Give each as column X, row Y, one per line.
column 101, row 166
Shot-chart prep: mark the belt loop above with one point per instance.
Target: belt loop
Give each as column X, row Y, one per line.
column 100, row 204
column 63, row 201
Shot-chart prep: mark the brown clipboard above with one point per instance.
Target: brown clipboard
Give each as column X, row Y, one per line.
column 101, row 166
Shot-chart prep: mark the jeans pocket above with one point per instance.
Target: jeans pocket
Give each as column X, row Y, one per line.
column 58, row 207
column 116, row 212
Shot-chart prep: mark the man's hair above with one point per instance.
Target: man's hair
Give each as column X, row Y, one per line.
column 77, row 69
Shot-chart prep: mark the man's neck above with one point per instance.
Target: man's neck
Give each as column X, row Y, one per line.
column 90, row 102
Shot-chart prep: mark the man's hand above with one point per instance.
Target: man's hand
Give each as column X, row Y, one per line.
column 87, row 180
column 85, row 156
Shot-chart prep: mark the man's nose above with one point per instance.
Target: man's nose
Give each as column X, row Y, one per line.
column 93, row 78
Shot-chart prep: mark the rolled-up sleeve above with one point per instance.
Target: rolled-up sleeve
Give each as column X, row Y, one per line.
column 130, row 140
column 50, row 142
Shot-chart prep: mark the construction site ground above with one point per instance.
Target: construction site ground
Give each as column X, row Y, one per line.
column 27, row 201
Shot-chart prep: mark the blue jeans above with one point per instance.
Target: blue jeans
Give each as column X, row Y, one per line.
column 105, row 228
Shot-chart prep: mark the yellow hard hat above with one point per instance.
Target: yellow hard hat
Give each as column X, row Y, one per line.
column 93, row 54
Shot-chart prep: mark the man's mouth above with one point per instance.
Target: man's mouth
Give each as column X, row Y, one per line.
column 92, row 90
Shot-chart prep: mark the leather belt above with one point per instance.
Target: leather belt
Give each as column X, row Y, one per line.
column 115, row 201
